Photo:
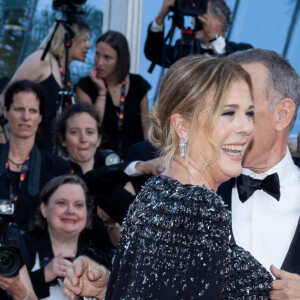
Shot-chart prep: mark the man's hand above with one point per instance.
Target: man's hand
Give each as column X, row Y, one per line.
column 165, row 9
column 208, row 30
column 152, row 166
column 287, row 286
column 86, row 278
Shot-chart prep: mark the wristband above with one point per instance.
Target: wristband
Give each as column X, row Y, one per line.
column 27, row 294
column 101, row 95
column 110, row 227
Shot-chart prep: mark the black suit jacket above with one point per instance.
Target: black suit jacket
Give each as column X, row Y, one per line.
column 291, row 262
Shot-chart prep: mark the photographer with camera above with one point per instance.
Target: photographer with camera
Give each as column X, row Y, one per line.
column 24, row 169
column 209, row 38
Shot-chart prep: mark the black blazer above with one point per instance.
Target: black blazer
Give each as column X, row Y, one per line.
column 291, row 262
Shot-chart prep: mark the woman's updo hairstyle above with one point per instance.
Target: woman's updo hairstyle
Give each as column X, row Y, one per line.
column 192, row 85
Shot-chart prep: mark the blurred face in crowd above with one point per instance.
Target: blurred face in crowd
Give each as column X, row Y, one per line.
column 81, row 45
column 106, row 60
column 81, row 138
column 231, row 135
column 24, row 115
column 66, row 211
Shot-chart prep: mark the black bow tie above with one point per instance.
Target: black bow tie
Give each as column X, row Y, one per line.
column 208, row 52
column 247, row 185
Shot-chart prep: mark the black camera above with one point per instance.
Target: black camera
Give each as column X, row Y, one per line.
column 191, row 7
column 68, row 6
column 10, row 254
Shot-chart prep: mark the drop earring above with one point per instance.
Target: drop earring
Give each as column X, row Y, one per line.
column 182, row 147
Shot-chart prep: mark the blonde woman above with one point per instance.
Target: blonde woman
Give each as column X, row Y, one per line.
column 176, row 240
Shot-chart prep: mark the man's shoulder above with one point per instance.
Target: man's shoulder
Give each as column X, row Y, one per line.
column 233, row 47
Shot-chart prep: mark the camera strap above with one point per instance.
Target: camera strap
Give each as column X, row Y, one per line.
column 25, row 167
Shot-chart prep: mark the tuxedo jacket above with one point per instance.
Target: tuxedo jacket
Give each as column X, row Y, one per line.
column 291, row 262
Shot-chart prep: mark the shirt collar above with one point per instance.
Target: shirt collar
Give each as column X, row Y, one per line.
column 283, row 169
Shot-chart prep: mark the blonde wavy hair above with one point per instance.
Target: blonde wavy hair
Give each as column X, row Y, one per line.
column 192, row 85
column 57, row 47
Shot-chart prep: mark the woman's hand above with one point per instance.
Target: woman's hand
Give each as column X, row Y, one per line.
column 86, row 278
column 58, row 266
column 99, row 82
column 19, row 286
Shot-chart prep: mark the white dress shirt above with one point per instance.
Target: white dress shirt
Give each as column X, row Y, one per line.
column 264, row 226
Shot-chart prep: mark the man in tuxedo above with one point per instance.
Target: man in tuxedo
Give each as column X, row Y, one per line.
column 209, row 40
column 265, row 199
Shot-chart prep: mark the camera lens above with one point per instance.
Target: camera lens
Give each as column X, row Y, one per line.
column 10, row 262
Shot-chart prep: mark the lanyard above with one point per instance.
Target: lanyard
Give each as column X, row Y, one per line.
column 67, row 101
column 25, row 168
column 62, row 75
column 120, row 114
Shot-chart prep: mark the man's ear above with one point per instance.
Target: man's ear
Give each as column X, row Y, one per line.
column 285, row 111
column 180, row 125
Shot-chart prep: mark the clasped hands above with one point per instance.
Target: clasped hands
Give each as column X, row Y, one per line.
column 87, row 278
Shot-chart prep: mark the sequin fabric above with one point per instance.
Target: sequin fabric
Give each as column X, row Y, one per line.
column 176, row 245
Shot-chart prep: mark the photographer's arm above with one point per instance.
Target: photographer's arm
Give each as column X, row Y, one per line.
column 165, row 9
column 19, row 286
column 155, row 37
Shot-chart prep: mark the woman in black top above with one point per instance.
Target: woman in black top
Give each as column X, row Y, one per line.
column 24, row 169
column 120, row 97
column 65, row 211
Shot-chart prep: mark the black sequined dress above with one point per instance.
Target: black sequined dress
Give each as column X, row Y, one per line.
column 176, row 245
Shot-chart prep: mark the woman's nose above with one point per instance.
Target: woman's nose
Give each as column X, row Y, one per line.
column 25, row 115
column 70, row 209
column 246, row 126
column 83, row 138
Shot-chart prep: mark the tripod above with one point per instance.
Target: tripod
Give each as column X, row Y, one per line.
column 65, row 97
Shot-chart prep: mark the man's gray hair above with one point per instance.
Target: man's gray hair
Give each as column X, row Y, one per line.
column 219, row 7
column 284, row 81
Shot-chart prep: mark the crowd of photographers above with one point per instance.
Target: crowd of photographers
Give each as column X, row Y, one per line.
column 33, row 259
